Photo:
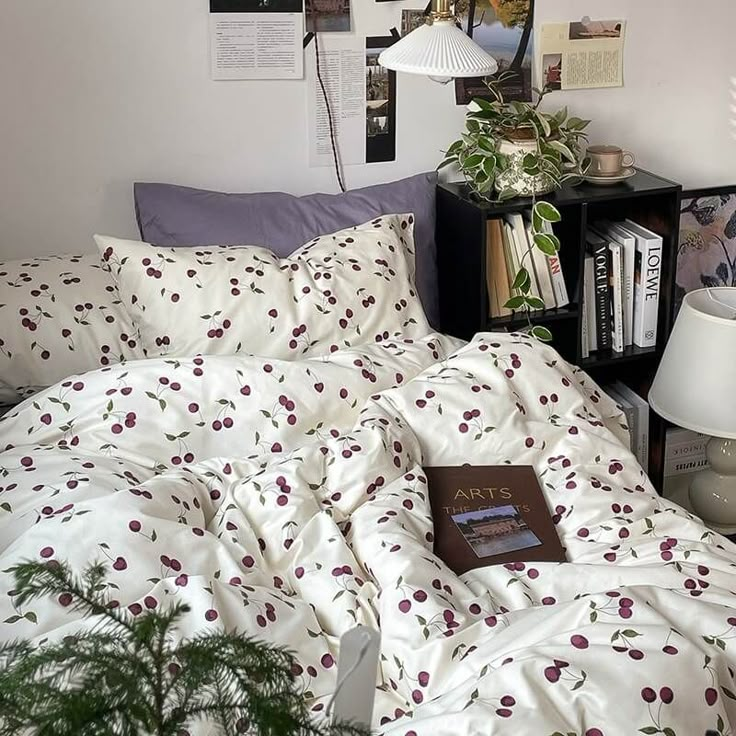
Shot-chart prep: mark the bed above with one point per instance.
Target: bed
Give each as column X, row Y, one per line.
column 284, row 496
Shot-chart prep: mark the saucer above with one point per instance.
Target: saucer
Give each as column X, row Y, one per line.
column 605, row 180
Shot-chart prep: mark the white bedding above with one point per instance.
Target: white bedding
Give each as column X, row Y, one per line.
column 287, row 500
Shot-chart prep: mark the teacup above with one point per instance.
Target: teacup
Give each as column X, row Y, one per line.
column 608, row 160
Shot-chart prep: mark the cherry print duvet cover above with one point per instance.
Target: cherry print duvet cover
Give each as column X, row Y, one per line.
column 287, row 500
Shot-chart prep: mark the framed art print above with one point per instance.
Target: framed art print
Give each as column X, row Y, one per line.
column 706, row 254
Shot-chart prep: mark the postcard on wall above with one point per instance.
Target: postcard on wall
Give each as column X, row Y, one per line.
column 256, row 39
column 411, row 19
column 327, row 15
column 582, row 55
column 342, row 65
column 504, row 28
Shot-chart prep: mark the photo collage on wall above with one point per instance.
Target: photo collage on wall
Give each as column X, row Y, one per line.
column 380, row 93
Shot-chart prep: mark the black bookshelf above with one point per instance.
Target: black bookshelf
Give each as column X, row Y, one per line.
column 462, row 219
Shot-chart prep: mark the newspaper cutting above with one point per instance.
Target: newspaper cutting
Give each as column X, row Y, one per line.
column 583, row 54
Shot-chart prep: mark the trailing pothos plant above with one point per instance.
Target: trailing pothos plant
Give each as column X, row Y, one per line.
column 555, row 157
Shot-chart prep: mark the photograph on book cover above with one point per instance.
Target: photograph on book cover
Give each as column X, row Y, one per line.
column 327, row 15
column 504, row 28
column 495, row 531
column 706, row 254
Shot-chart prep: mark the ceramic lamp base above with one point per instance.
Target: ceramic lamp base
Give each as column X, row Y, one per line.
column 713, row 491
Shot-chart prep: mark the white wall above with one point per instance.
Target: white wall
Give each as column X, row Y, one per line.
column 95, row 94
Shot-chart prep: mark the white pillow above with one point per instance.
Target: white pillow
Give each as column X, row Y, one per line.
column 59, row 315
column 344, row 289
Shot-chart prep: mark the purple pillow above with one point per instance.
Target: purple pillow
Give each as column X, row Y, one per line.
column 170, row 215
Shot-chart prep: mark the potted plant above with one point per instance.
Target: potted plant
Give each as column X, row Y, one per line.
column 513, row 149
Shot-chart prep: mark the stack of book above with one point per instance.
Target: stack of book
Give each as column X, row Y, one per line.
column 636, row 410
column 684, row 455
column 621, row 283
column 508, row 247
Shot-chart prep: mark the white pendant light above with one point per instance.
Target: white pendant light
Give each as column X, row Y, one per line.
column 439, row 49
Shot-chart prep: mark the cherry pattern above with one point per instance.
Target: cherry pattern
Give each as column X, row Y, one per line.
column 180, row 515
column 230, row 300
column 48, row 333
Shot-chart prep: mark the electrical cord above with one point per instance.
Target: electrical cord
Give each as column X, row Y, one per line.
column 351, row 669
column 333, row 142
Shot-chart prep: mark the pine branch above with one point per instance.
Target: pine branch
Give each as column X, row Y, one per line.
column 126, row 677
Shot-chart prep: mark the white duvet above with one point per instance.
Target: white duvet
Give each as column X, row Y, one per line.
column 287, row 500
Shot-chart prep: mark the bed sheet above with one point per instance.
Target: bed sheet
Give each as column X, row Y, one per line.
column 287, row 500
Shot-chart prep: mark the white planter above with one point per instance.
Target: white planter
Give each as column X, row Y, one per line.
column 514, row 177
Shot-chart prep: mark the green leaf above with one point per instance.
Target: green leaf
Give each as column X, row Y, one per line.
column 447, row 162
column 564, row 150
column 454, row 148
column 649, row 730
column 728, row 693
column 522, row 277
column 545, row 243
column 507, row 194
column 489, row 166
column 667, row 731
column 541, row 333
column 630, row 633
column 516, row 302
column 534, row 302
column 472, row 161
column 547, row 211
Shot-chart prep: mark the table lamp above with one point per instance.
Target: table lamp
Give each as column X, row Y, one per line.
column 439, row 49
column 695, row 388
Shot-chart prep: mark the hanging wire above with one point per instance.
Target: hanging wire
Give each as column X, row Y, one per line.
column 333, row 141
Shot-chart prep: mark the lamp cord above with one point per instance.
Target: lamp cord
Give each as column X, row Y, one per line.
column 333, row 142
column 346, row 676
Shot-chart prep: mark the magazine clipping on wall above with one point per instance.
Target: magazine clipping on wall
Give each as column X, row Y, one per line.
column 256, row 39
column 582, row 55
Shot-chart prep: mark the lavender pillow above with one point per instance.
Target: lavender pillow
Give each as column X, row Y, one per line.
column 170, row 215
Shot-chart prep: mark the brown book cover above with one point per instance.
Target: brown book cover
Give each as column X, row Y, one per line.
column 490, row 515
column 498, row 278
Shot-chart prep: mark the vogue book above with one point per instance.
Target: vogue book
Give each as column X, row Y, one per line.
column 490, row 515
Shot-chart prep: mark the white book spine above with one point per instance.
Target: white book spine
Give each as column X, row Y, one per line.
column 630, row 412
column 589, row 289
column 628, row 251
column 647, row 285
column 617, row 309
column 642, row 423
column 541, row 271
column 523, row 251
column 556, row 276
column 584, row 337
column 512, row 265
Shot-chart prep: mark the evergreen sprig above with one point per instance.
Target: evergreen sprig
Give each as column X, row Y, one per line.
column 130, row 676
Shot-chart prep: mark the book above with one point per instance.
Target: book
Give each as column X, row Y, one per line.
column 589, row 301
column 685, row 451
column 647, row 273
column 512, row 264
column 628, row 244
column 630, row 412
column 524, row 257
column 584, row 337
column 598, row 248
column 496, row 266
column 642, row 422
column 555, row 271
column 541, row 270
column 616, row 276
column 490, row 515
column 493, row 308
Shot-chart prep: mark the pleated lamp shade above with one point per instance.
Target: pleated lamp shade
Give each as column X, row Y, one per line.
column 439, row 49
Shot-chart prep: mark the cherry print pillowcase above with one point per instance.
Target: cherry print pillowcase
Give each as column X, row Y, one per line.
column 352, row 287
column 60, row 315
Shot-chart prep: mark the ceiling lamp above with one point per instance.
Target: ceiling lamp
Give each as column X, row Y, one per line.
column 439, row 49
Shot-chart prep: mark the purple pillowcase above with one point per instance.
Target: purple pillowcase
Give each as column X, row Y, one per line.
column 170, row 215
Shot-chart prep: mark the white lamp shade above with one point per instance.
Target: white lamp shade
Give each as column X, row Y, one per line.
column 695, row 386
column 439, row 49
